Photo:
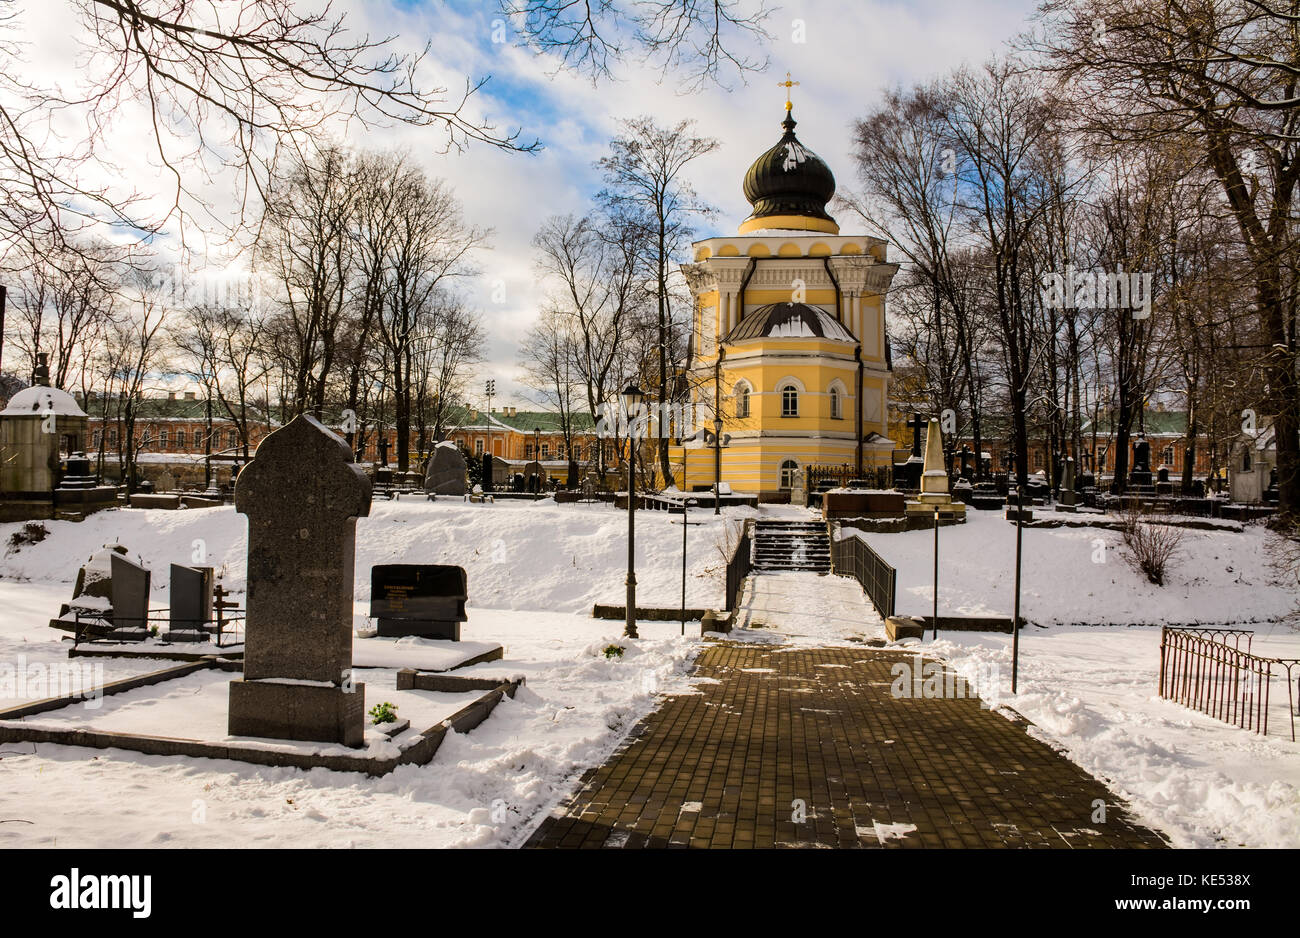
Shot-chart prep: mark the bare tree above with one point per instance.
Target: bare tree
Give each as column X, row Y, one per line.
column 252, row 78
column 64, row 300
column 646, row 186
column 1220, row 74
column 131, row 355
column 700, row 40
column 306, row 250
column 431, row 246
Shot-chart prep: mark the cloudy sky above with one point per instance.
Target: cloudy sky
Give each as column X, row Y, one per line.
column 849, row 52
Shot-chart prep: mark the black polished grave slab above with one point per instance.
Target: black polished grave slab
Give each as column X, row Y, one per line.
column 427, row 600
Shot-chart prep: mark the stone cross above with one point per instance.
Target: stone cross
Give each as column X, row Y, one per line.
column 916, row 423
column 302, row 494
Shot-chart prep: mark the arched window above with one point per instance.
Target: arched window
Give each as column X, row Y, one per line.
column 742, row 401
column 836, row 412
column 789, row 401
column 788, row 470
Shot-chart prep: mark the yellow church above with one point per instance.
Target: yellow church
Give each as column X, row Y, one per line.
column 788, row 344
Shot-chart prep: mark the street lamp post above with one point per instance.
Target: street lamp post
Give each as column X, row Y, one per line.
column 632, row 400
column 1015, row 615
column 537, row 456
column 686, row 503
column 934, row 618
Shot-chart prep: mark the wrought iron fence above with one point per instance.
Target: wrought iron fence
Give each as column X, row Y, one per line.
column 1208, row 670
column 738, row 566
column 852, row 556
column 817, row 478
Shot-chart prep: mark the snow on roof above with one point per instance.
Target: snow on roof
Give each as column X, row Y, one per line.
column 40, row 401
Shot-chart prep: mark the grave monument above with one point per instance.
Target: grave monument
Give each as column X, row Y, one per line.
column 302, row 494
column 447, row 471
column 934, row 482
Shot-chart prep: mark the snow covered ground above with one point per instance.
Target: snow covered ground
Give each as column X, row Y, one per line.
column 534, row 571
column 486, row 788
column 517, row 554
column 1079, row 575
column 1091, row 691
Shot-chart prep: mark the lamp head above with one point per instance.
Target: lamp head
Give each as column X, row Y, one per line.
column 633, row 397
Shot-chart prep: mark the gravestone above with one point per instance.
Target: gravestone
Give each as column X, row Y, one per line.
column 572, row 481
column 302, row 494
column 967, row 457
column 383, row 484
column 487, row 481
column 427, row 600
column 79, row 474
column 1067, row 487
column 447, row 472
column 190, row 603
column 130, row 599
column 1141, row 474
column 799, row 489
column 533, row 477
column 915, row 464
column 92, row 593
column 1163, row 485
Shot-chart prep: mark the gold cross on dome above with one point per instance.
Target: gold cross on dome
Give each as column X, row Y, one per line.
column 787, row 85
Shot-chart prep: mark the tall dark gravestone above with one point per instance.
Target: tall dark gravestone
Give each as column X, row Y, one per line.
column 1141, row 474
column 190, row 603
column 302, row 494
column 130, row 598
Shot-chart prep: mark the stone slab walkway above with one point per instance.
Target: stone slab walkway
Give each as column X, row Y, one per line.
column 806, row 747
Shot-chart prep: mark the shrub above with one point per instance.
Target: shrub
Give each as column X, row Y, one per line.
column 383, row 713
column 614, row 651
column 33, row 532
column 1151, row 546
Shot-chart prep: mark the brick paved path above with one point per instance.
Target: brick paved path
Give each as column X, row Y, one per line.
column 722, row 768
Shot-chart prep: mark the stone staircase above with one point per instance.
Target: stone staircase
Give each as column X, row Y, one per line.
column 791, row 545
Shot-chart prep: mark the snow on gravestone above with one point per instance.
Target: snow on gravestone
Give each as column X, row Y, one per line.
column 302, row 494
column 447, row 470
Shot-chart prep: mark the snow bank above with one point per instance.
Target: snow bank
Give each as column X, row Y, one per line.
column 1079, row 575
column 1092, row 693
column 518, row 555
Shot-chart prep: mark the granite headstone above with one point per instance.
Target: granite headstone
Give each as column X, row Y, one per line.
column 447, row 472
column 427, row 600
column 302, row 494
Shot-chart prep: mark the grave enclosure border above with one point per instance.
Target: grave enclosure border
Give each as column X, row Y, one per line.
column 419, row 752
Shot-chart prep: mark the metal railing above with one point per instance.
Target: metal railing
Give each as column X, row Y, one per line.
column 1208, row 670
column 852, row 556
column 738, row 566
column 820, row 477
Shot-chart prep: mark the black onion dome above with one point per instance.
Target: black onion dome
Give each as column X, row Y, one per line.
column 789, row 179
